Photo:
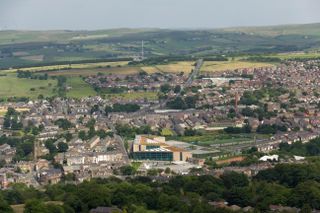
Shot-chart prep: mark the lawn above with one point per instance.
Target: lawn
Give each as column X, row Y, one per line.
column 79, row 88
column 11, row 86
column 134, row 95
column 215, row 66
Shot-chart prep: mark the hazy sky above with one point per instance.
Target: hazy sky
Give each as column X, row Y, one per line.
column 104, row 14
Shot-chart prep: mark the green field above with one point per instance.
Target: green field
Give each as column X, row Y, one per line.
column 11, row 86
column 79, row 88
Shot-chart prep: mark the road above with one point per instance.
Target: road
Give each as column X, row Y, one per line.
column 123, row 149
column 194, row 73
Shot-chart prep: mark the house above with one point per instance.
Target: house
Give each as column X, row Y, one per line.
column 50, row 176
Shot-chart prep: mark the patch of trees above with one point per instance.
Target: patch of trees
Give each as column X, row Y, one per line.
column 63, row 124
column 264, row 59
column 23, row 145
column 254, row 97
column 287, row 185
column 18, row 99
column 260, row 113
column 191, row 132
column 62, row 86
column 182, row 103
column 165, row 88
column 12, row 120
column 92, row 132
column 31, row 75
column 128, row 131
column 270, row 129
column 311, row 148
column 122, row 108
column 238, row 130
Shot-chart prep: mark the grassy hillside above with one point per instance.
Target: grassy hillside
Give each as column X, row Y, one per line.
column 304, row 29
column 29, row 48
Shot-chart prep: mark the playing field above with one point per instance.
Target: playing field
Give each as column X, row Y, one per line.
column 215, row 66
column 11, row 86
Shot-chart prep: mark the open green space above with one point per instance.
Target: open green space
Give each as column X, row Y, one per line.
column 11, row 86
column 79, row 88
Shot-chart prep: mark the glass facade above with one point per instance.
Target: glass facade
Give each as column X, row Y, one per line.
column 157, row 156
column 152, row 147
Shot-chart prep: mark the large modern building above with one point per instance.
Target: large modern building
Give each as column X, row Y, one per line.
column 155, row 148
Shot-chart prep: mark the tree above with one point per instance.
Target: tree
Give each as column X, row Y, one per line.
column 127, row 170
column 82, row 135
column 35, row 206
column 177, row 89
column 63, row 147
column 95, row 108
column 234, row 179
column 4, row 206
column 63, row 124
column 165, row 88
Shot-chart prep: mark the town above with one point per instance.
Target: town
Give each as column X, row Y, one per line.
column 215, row 116
column 159, row 106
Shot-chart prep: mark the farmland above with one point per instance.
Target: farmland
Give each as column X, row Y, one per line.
column 183, row 66
column 28, row 48
column 11, row 86
column 87, row 72
column 70, row 66
column 215, row 66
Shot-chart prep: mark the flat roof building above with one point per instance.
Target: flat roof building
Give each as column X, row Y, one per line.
column 155, row 148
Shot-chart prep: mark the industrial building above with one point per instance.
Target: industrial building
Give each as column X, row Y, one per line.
column 155, row 148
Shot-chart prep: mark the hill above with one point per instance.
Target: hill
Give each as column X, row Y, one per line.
column 29, row 48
